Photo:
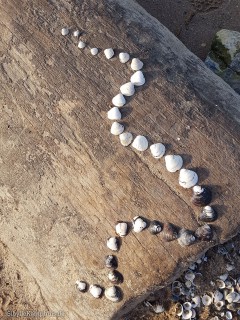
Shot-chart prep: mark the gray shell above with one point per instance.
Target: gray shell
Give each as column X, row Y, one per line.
column 204, row 233
column 186, row 237
column 111, row 262
column 169, row 232
column 155, row 227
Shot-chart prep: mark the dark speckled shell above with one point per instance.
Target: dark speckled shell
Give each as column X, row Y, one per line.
column 208, row 214
column 169, row 232
column 111, row 262
column 155, row 227
column 204, row 233
column 202, row 198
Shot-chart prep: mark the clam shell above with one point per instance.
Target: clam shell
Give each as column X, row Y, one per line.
column 220, row 284
column 232, row 297
column 117, row 128
column 218, row 305
column 169, row 232
column 96, row 291
column 138, row 78
column 114, row 114
column 140, row 143
column 111, row 262
column 218, row 296
column 157, row 150
column 65, row 31
column 204, row 233
column 155, row 227
column 113, row 294
column 189, row 275
column 76, row 33
column 113, row 243
column 124, row 57
column 118, row 100
column 228, row 315
column 196, row 301
column 186, row 237
column 139, row 224
column 193, row 314
column 121, row 228
column 206, row 300
column 208, row 214
column 81, row 285
column 109, row 53
column 81, row 44
column 187, row 314
column 94, row 51
column 173, row 162
column 202, row 196
column 136, row 64
column 187, row 305
column 126, row 138
column 178, row 309
column 127, row 89
column 115, row 277
column 187, row 178
column 233, row 306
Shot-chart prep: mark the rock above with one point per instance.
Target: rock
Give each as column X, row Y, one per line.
column 235, row 64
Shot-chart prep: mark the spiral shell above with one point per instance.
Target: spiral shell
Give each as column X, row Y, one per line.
column 187, row 178
column 157, row 150
column 121, row 228
column 115, row 277
column 113, row 294
column 204, row 233
column 126, row 138
column 113, row 243
column 117, row 128
column 173, row 162
column 96, row 291
column 202, row 196
column 111, row 262
column 136, row 64
column 208, row 214
column 139, row 224
column 118, row 100
column 186, row 237
column 109, row 53
column 140, row 143
column 138, row 78
column 114, row 114
column 124, row 57
column 169, row 232
column 127, row 89
column 65, row 31
column 155, row 227
column 81, row 286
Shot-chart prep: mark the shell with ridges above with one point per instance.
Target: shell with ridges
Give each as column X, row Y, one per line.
column 121, row 228
column 155, row 227
column 126, row 138
column 208, row 214
column 118, row 100
column 115, row 277
column 173, row 162
column 204, row 233
column 202, row 196
column 111, row 262
column 136, row 64
column 140, row 143
column 113, row 243
column 95, row 290
column 187, row 178
column 109, row 53
column 124, row 57
column 138, row 78
column 117, row 128
column 157, row 150
column 114, row 114
column 139, row 224
column 113, row 293
column 186, row 237
column 127, row 89
column 169, row 232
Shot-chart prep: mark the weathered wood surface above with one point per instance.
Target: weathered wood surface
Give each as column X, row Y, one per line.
column 65, row 179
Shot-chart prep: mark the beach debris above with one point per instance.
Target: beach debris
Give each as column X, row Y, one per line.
column 140, row 143
column 118, row 100
column 111, row 262
column 173, row 162
column 138, row 78
column 127, row 89
column 117, row 128
column 187, row 178
column 109, row 53
column 208, row 214
column 95, row 290
column 157, row 150
column 124, row 57
column 114, row 114
column 139, row 224
column 113, row 243
column 121, row 228
column 113, row 293
column 126, row 138
column 136, row 64
column 202, row 196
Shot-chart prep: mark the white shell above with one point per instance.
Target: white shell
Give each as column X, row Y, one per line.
column 114, row 114
column 94, row 51
column 187, row 314
column 140, row 143
column 206, row 300
column 136, row 64
column 157, row 150
column 218, row 305
column 117, row 128
column 118, row 100
column 173, row 162
column 76, row 33
column 138, row 78
column 109, row 53
column 193, row 314
column 139, row 224
column 127, row 89
column 196, row 301
column 232, row 297
column 187, row 305
column 124, row 57
column 81, row 44
column 220, row 284
column 121, row 229
column 229, row 315
column 81, row 285
column 95, row 290
column 189, row 275
column 112, row 294
column 65, row 31
column 187, row 178
column 112, row 243
column 178, row 309
column 218, row 296
column 126, row 138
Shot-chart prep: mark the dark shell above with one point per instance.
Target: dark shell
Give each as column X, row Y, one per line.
column 204, row 233
column 202, row 196
column 155, row 227
column 115, row 277
column 111, row 262
column 169, row 232
column 186, row 237
column 208, row 214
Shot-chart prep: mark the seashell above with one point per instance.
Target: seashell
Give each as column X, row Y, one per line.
column 228, row 315
column 113, row 294
column 95, row 290
column 196, row 301
column 202, row 196
column 111, row 262
column 65, row 31
column 155, row 227
column 230, row 267
column 115, row 277
column 138, row 78
column 208, row 214
column 224, row 277
column 94, row 51
column 186, row 237
column 187, row 178
column 178, row 309
column 126, row 138
column 173, row 163
column 232, row 297
column 177, row 288
column 193, row 314
column 76, row 33
column 229, row 284
column 109, row 53
column 157, row 150
column 81, row 285
column 187, row 305
column 114, row 114
column 218, row 305
column 81, row 44
column 139, row 224
column 204, row 233
column 117, row 128
column 220, row 284
column 188, row 284
column 136, row 64
column 118, row 100
column 124, row 57
column 233, row 306
column 113, row 243
column 187, row 314
column 140, row 143
column 169, row 232
column 121, row 228
column 218, row 296
column 189, row 275
column 127, row 89
column 156, row 306
column 193, row 266
column 206, row 300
